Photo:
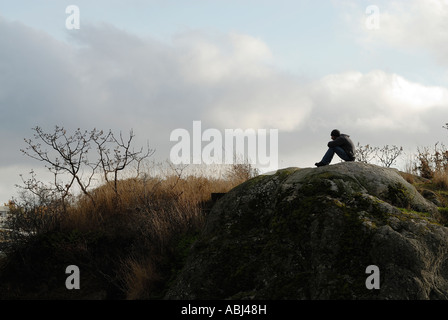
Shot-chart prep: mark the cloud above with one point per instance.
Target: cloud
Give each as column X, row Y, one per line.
column 412, row 25
column 375, row 101
column 30, row 64
column 105, row 77
column 227, row 80
column 108, row 78
column 37, row 84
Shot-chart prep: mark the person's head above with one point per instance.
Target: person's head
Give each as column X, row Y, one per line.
column 335, row 133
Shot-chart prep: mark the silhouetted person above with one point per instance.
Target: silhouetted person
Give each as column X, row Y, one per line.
column 342, row 145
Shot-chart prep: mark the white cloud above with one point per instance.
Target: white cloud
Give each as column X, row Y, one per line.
column 415, row 96
column 242, row 88
column 227, row 80
column 412, row 25
column 375, row 100
column 208, row 60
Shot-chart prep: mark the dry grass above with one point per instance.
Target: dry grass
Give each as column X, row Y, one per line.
column 158, row 212
column 139, row 278
column 440, row 180
column 161, row 201
column 408, row 177
column 431, row 164
column 131, row 236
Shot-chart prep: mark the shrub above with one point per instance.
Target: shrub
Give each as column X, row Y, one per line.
column 128, row 232
column 440, row 179
column 431, row 161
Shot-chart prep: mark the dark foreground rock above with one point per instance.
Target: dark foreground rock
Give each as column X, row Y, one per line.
column 311, row 233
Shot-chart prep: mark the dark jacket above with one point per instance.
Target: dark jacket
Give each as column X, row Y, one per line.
column 345, row 143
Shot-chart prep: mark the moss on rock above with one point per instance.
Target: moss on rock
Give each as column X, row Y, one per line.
column 311, row 233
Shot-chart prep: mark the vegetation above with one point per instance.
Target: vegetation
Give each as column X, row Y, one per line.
column 385, row 156
column 128, row 223
column 427, row 170
column 128, row 234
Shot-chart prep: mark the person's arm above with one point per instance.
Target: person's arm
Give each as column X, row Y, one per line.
column 336, row 142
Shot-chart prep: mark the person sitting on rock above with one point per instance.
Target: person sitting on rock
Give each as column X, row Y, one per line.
column 342, row 145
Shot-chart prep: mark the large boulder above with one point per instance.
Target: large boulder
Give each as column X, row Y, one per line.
column 311, row 234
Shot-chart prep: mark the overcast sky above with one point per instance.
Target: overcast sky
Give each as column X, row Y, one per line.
column 302, row 67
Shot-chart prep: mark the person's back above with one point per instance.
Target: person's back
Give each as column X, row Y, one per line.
column 345, row 143
column 342, row 145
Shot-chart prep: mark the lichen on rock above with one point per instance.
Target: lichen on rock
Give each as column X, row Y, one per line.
column 311, row 233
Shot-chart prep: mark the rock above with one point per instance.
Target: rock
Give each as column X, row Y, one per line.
column 431, row 196
column 311, row 233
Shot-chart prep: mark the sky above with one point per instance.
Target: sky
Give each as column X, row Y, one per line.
column 376, row 70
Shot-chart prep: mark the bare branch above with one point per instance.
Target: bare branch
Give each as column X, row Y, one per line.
column 94, row 152
column 365, row 153
column 388, row 155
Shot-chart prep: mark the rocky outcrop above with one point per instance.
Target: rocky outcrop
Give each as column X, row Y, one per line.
column 311, row 233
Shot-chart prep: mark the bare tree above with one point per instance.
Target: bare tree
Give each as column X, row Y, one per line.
column 388, row 155
column 365, row 153
column 112, row 161
column 81, row 156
